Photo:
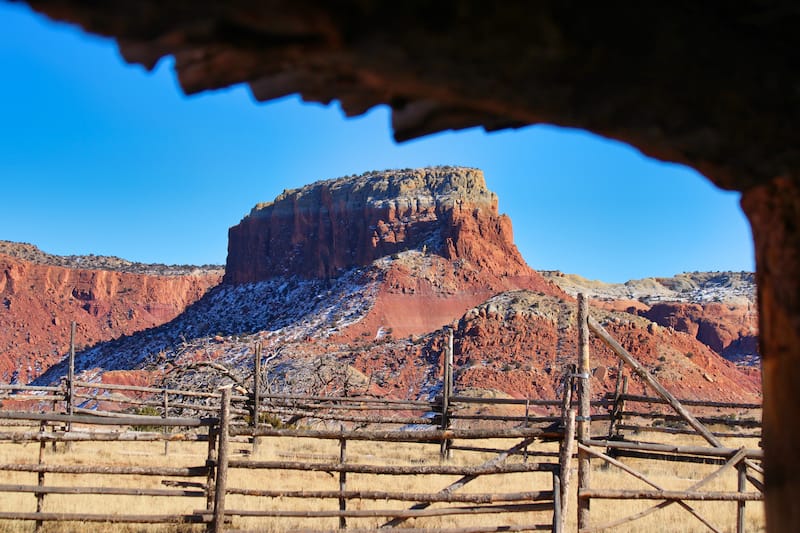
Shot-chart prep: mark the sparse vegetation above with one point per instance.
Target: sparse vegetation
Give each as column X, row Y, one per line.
column 147, row 410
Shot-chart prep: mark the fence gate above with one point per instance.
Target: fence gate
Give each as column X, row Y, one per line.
column 608, row 450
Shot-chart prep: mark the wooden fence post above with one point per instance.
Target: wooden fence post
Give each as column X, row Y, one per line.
column 567, row 444
column 620, row 391
column 447, row 392
column 615, row 405
column 527, row 415
column 55, row 409
column 222, row 460
column 71, row 375
column 569, row 381
column 740, row 506
column 40, row 478
column 584, row 420
column 71, row 381
column 558, row 510
column 256, row 394
column 342, row 479
column 565, row 462
column 622, row 403
column 165, row 429
column 211, row 464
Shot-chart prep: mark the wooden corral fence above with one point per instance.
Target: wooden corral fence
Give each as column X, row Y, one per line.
column 209, row 481
column 626, row 422
column 224, row 421
column 600, row 430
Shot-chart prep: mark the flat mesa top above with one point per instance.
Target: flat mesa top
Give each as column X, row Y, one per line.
column 421, row 188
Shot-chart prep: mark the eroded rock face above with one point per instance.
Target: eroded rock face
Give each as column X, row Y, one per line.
column 325, row 227
column 728, row 329
column 717, row 308
column 38, row 302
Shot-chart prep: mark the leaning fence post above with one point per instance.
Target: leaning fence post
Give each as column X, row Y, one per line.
column 447, row 392
column 584, row 420
column 222, row 460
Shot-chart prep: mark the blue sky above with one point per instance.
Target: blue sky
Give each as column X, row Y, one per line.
column 97, row 156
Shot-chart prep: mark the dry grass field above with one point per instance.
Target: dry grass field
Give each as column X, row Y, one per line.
column 670, row 475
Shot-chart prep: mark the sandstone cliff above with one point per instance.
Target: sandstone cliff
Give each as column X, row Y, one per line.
column 320, row 229
column 38, row 301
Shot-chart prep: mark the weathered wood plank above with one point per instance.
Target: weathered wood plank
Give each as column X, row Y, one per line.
column 722, row 421
column 698, row 403
column 427, row 435
column 676, row 448
column 619, row 494
column 677, row 431
column 397, row 513
column 96, row 436
column 410, row 470
column 5, row 386
column 130, row 420
column 119, row 491
column 111, row 518
column 174, row 471
column 451, row 497
column 468, row 529
column 642, row 372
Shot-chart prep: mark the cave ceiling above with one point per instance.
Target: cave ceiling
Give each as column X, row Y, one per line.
column 713, row 85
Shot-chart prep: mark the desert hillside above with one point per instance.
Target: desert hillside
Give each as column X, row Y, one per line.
column 350, row 283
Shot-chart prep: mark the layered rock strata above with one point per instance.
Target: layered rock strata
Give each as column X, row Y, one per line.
column 39, row 301
column 318, row 230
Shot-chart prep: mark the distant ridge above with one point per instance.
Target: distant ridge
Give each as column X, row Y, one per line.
column 33, row 254
column 695, row 287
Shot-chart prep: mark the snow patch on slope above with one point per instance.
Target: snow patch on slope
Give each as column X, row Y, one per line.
column 231, row 317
